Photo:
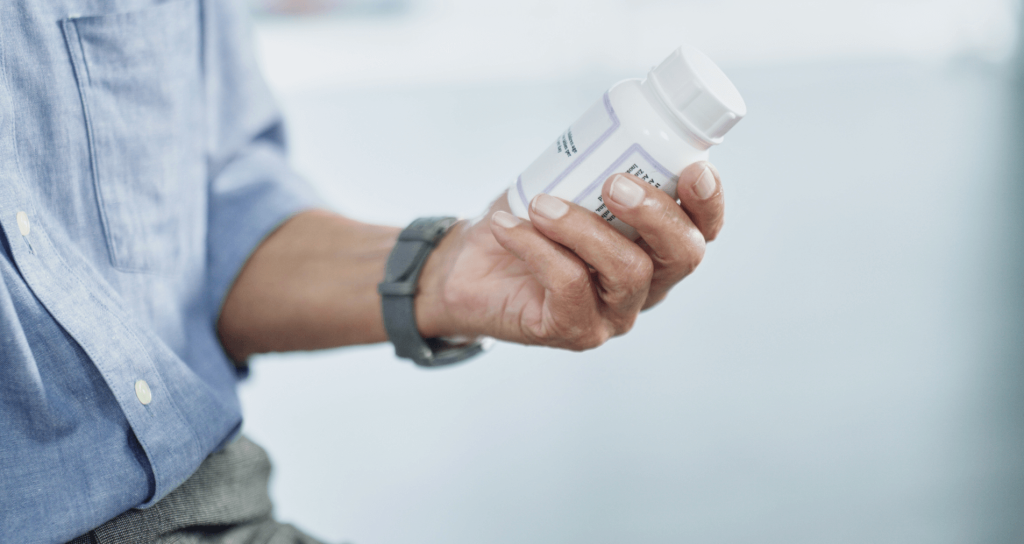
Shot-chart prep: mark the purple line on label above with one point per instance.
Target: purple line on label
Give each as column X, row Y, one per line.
column 597, row 143
column 635, row 148
column 522, row 194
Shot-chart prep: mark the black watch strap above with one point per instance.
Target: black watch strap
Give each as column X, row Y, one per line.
column 401, row 276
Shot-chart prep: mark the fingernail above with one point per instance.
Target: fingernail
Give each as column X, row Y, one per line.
column 705, row 186
column 626, row 192
column 549, row 206
column 505, row 219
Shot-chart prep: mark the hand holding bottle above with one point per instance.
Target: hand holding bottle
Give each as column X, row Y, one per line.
column 567, row 278
column 571, row 276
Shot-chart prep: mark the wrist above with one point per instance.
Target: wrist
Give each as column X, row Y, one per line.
column 400, row 292
column 433, row 316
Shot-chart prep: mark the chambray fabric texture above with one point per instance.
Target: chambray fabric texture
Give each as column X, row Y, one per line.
column 143, row 147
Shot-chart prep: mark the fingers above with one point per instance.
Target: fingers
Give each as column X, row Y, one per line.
column 676, row 244
column 700, row 192
column 623, row 268
column 629, row 276
column 570, row 302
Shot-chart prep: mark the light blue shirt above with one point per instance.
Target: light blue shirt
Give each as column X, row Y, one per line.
column 141, row 162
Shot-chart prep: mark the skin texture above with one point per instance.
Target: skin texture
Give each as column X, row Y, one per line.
column 571, row 281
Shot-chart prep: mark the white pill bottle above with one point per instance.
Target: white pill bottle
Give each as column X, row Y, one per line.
column 651, row 128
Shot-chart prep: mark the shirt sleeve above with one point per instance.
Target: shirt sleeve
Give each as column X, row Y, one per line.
column 252, row 189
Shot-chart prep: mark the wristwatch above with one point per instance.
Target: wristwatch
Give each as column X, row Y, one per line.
column 398, row 290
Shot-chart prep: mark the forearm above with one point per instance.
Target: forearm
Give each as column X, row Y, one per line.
column 312, row 284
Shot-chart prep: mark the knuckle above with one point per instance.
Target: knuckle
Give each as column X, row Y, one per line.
column 551, row 336
column 547, row 337
column 696, row 255
column 689, row 256
column 625, row 324
column 579, row 337
column 641, row 269
column 578, row 346
column 574, row 279
column 634, row 272
column 574, row 336
column 590, row 338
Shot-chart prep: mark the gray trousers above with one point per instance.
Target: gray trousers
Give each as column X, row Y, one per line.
column 225, row 501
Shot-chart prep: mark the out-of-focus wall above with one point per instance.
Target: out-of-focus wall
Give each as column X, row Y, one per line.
column 344, row 43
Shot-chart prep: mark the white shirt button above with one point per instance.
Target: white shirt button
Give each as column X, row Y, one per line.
column 142, row 391
column 23, row 225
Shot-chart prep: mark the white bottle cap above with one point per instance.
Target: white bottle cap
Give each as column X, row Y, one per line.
column 699, row 94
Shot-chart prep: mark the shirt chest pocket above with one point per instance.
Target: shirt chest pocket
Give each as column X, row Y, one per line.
column 140, row 78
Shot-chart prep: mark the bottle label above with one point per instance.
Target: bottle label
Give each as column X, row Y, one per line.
column 574, row 146
column 569, row 150
column 636, row 161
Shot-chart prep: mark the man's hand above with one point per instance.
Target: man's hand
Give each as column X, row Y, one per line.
column 567, row 278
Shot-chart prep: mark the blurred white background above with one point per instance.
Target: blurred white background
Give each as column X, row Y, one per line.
column 473, row 41
column 846, row 365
